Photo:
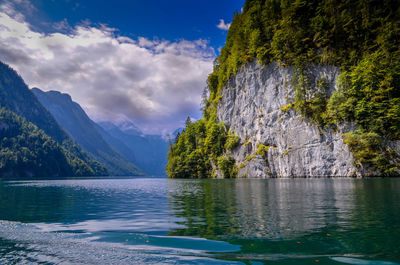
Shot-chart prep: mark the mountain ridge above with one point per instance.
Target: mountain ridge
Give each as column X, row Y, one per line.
column 120, row 146
column 148, row 151
column 75, row 121
column 19, row 102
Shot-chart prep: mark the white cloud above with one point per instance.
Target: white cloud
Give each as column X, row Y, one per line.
column 153, row 83
column 16, row 8
column 222, row 25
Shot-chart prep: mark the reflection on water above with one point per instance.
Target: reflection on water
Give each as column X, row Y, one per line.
column 310, row 216
column 163, row 221
column 89, row 204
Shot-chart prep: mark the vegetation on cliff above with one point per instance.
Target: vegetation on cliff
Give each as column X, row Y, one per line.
column 360, row 37
column 199, row 149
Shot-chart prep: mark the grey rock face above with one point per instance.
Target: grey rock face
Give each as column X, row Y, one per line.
column 251, row 106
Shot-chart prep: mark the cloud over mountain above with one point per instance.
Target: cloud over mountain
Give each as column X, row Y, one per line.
column 154, row 83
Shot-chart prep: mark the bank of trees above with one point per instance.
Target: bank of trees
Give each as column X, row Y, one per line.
column 361, row 37
column 199, row 150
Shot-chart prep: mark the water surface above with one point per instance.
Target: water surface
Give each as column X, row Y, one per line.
column 164, row 221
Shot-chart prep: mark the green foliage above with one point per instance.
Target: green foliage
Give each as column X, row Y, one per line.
column 360, row 37
column 26, row 151
column 215, row 138
column 186, row 158
column 188, row 121
column 249, row 158
column 262, row 150
column 15, row 96
column 295, row 32
column 199, row 146
column 370, row 95
column 227, row 166
column 367, row 148
column 287, row 107
column 300, row 32
column 232, row 141
column 310, row 100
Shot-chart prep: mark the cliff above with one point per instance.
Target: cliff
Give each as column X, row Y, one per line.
column 323, row 99
column 260, row 132
column 288, row 145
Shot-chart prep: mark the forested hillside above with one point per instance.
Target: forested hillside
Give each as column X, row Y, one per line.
column 26, row 151
column 361, row 38
column 17, row 98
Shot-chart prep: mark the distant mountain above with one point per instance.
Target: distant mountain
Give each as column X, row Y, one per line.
column 16, row 98
column 129, row 128
column 117, row 144
column 85, row 132
column 149, row 152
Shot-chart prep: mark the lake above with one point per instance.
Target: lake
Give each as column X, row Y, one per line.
column 165, row 221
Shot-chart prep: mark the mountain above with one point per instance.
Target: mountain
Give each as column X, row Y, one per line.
column 149, row 152
column 85, row 132
column 129, row 128
column 300, row 89
column 26, row 151
column 122, row 148
column 22, row 109
column 117, row 144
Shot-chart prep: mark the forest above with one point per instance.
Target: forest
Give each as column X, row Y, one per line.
column 359, row 37
column 27, row 151
column 30, row 126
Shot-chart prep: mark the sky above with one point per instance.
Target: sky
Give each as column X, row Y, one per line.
column 140, row 61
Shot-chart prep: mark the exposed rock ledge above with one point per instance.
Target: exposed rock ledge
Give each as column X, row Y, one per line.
column 251, row 106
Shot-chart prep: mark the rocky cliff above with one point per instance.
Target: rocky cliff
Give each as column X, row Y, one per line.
column 300, row 118
column 276, row 142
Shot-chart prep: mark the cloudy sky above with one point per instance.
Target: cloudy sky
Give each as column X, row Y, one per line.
column 142, row 61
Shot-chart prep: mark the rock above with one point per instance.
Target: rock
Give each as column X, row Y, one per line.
column 251, row 106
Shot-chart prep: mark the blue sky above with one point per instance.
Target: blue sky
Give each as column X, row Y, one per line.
column 171, row 20
column 145, row 62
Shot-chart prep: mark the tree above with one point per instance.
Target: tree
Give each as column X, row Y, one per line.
column 188, row 122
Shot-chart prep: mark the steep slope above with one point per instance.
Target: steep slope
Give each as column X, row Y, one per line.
column 26, row 151
column 84, row 131
column 301, row 88
column 278, row 142
column 149, row 152
column 16, row 97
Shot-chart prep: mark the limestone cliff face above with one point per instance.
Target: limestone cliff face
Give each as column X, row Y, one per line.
column 251, row 106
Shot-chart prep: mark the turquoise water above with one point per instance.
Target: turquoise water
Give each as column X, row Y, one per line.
column 163, row 221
